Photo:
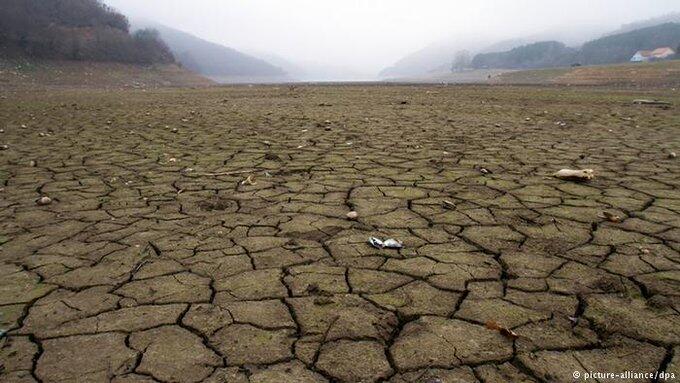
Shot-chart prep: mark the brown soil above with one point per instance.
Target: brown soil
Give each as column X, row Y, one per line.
column 156, row 262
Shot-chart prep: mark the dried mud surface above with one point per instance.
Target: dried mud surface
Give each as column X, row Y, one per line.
column 201, row 235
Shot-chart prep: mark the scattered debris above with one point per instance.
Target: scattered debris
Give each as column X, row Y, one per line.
column 650, row 102
column 575, row 175
column 248, row 181
column 386, row 244
column 43, row 201
column 449, row 205
column 352, row 215
column 506, row 332
column 611, row 217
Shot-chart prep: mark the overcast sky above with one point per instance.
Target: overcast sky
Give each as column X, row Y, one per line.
column 368, row 35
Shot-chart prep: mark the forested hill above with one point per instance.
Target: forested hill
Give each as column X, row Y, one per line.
column 82, row 30
column 621, row 47
column 611, row 49
column 538, row 55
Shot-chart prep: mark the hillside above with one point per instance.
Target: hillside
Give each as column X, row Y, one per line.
column 223, row 64
column 81, row 30
column 673, row 17
column 25, row 74
column 665, row 74
column 544, row 54
column 621, row 47
column 438, row 57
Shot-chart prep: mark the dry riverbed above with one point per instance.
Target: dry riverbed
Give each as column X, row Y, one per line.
column 202, row 235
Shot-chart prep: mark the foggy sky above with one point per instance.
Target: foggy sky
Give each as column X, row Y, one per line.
column 368, row 35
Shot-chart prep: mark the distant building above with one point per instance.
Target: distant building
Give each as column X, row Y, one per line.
column 656, row 54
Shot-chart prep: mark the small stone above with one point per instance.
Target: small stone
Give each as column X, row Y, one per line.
column 44, row 200
column 352, row 215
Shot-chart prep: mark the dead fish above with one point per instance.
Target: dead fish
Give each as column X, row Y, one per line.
column 375, row 242
column 393, row 244
column 390, row 243
column 575, row 175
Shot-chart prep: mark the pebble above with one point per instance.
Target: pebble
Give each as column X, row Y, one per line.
column 43, row 201
column 352, row 215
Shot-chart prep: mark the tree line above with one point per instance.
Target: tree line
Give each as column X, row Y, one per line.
column 618, row 48
column 76, row 30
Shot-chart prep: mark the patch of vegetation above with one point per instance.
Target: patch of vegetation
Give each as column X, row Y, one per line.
column 83, row 30
column 621, row 47
column 543, row 54
column 612, row 49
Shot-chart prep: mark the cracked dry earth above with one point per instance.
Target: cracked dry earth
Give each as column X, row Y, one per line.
column 149, row 267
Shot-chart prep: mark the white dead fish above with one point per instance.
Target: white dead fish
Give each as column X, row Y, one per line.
column 375, row 242
column 248, row 181
column 386, row 244
column 393, row 244
column 575, row 175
